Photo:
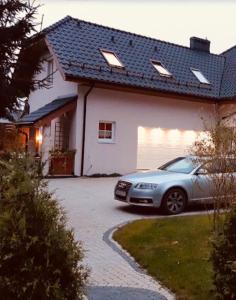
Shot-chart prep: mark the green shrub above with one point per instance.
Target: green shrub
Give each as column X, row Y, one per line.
column 224, row 258
column 39, row 257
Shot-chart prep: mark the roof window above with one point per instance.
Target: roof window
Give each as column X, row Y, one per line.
column 161, row 69
column 112, row 59
column 200, row 76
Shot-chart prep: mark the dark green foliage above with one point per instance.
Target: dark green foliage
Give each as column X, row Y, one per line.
column 39, row 258
column 18, row 62
column 224, row 258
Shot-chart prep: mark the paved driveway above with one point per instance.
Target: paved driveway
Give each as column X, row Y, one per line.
column 92, row 212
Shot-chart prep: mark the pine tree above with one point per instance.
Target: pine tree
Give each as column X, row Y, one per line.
column 17, row 23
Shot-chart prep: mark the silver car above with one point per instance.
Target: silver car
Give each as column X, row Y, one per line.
column 172, row 187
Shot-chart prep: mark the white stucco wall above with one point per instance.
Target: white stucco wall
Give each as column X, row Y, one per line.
column 43, row 96
column 59, row 87
column 130, row 111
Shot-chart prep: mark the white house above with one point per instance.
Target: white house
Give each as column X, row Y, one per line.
column 123, row 101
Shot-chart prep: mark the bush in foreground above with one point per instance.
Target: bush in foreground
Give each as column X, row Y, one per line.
column 39, row 257
column 224, row 258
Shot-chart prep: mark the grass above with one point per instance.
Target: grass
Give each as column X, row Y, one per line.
column 175, row 250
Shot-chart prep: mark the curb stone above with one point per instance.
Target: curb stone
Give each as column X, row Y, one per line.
column 108, row 238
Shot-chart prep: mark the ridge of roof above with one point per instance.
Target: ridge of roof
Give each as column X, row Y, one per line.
column 140, row 35
column 69, row 18
column 40, row 34
column 55, row 25
column 231, row 48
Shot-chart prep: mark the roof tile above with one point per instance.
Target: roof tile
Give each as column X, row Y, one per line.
column 45, row 110
column 76, row 44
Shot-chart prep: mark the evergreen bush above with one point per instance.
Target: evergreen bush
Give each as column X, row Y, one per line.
column 224, row 258
column 39, row 257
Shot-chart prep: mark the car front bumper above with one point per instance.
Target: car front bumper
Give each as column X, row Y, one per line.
column 126, row 192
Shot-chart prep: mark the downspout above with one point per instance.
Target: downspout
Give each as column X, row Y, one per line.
column 84, row 128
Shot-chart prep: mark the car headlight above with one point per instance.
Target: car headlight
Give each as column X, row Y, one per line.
column 146, row 186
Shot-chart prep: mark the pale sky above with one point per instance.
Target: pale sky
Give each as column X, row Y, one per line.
column 169, row 20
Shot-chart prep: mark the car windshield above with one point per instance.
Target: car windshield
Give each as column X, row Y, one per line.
column 180, row 165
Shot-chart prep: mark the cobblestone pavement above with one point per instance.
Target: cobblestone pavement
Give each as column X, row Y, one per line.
column 92, row 212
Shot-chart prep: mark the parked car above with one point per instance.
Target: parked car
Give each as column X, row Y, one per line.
column 172, row 187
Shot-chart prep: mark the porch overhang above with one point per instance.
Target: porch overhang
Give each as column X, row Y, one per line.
column 44, row 115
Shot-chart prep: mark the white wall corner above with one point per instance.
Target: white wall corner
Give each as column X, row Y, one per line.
column 78, row 129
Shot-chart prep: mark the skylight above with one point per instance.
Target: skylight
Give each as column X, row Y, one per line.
column 200, row 76
column 112, row 59
column 161, row 69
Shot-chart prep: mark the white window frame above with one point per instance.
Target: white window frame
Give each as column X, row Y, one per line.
column 103, row 51
column 105, row 140
column 50, row 69
column 204, row 81
column 155, row 63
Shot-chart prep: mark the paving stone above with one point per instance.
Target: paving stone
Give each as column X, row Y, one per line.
column 92, row 212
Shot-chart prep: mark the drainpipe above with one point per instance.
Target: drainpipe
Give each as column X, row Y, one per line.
column 84, row 128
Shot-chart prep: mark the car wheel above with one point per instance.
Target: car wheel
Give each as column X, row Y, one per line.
column 174, row 201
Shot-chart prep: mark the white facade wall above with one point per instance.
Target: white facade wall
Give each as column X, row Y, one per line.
column 59, row 88
column 43, row 96
column 129, row 111
column 78, row 129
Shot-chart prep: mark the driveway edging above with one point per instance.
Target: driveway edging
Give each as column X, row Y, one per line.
column 108, row 239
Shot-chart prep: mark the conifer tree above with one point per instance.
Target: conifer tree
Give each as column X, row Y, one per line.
column 19, row 59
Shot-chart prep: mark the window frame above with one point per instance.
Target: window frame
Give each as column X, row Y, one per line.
column 121, row 66
column 158, row 62
column 107, row 140
column 198, row 70
column 50, row 70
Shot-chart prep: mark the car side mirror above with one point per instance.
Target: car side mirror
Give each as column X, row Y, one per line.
column 201, row 171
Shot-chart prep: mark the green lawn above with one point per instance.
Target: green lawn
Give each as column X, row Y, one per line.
column 174, row 250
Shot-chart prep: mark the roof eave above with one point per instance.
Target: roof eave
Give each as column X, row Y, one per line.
column 227, row 99
column 134, row 88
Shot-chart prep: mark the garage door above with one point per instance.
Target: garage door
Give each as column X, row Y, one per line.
column 156, row 146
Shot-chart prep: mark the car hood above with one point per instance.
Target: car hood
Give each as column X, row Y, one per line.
column 158, row 176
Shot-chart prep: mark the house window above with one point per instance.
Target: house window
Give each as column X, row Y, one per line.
column 106, row 131
column 200, row 76
column 161, row 69
column 50, row 71
column 61, row 137
column 112, row 59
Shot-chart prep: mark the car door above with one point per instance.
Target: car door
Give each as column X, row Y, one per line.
column 202, row 185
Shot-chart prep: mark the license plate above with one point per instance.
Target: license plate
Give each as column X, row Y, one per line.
column 120, row 193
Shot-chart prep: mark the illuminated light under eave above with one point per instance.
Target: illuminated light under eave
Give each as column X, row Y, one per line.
column 157, row 135
column 174, row 136
column 39, row 138
column 189, row 137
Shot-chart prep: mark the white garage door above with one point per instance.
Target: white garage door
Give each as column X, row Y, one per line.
column 156, row 146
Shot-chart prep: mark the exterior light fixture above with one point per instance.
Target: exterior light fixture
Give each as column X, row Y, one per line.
column 39, row 138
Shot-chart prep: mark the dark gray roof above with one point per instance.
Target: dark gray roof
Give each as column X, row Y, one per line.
column 45, row 110
column 4, row 121
column 228, row 88
column 77, row 45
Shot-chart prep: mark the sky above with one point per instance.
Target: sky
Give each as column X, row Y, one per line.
column 169, row 20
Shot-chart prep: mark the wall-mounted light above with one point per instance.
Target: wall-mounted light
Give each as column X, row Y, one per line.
column 189, row 137
column 157, row 135
column 174, row 136
column 39, row 138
